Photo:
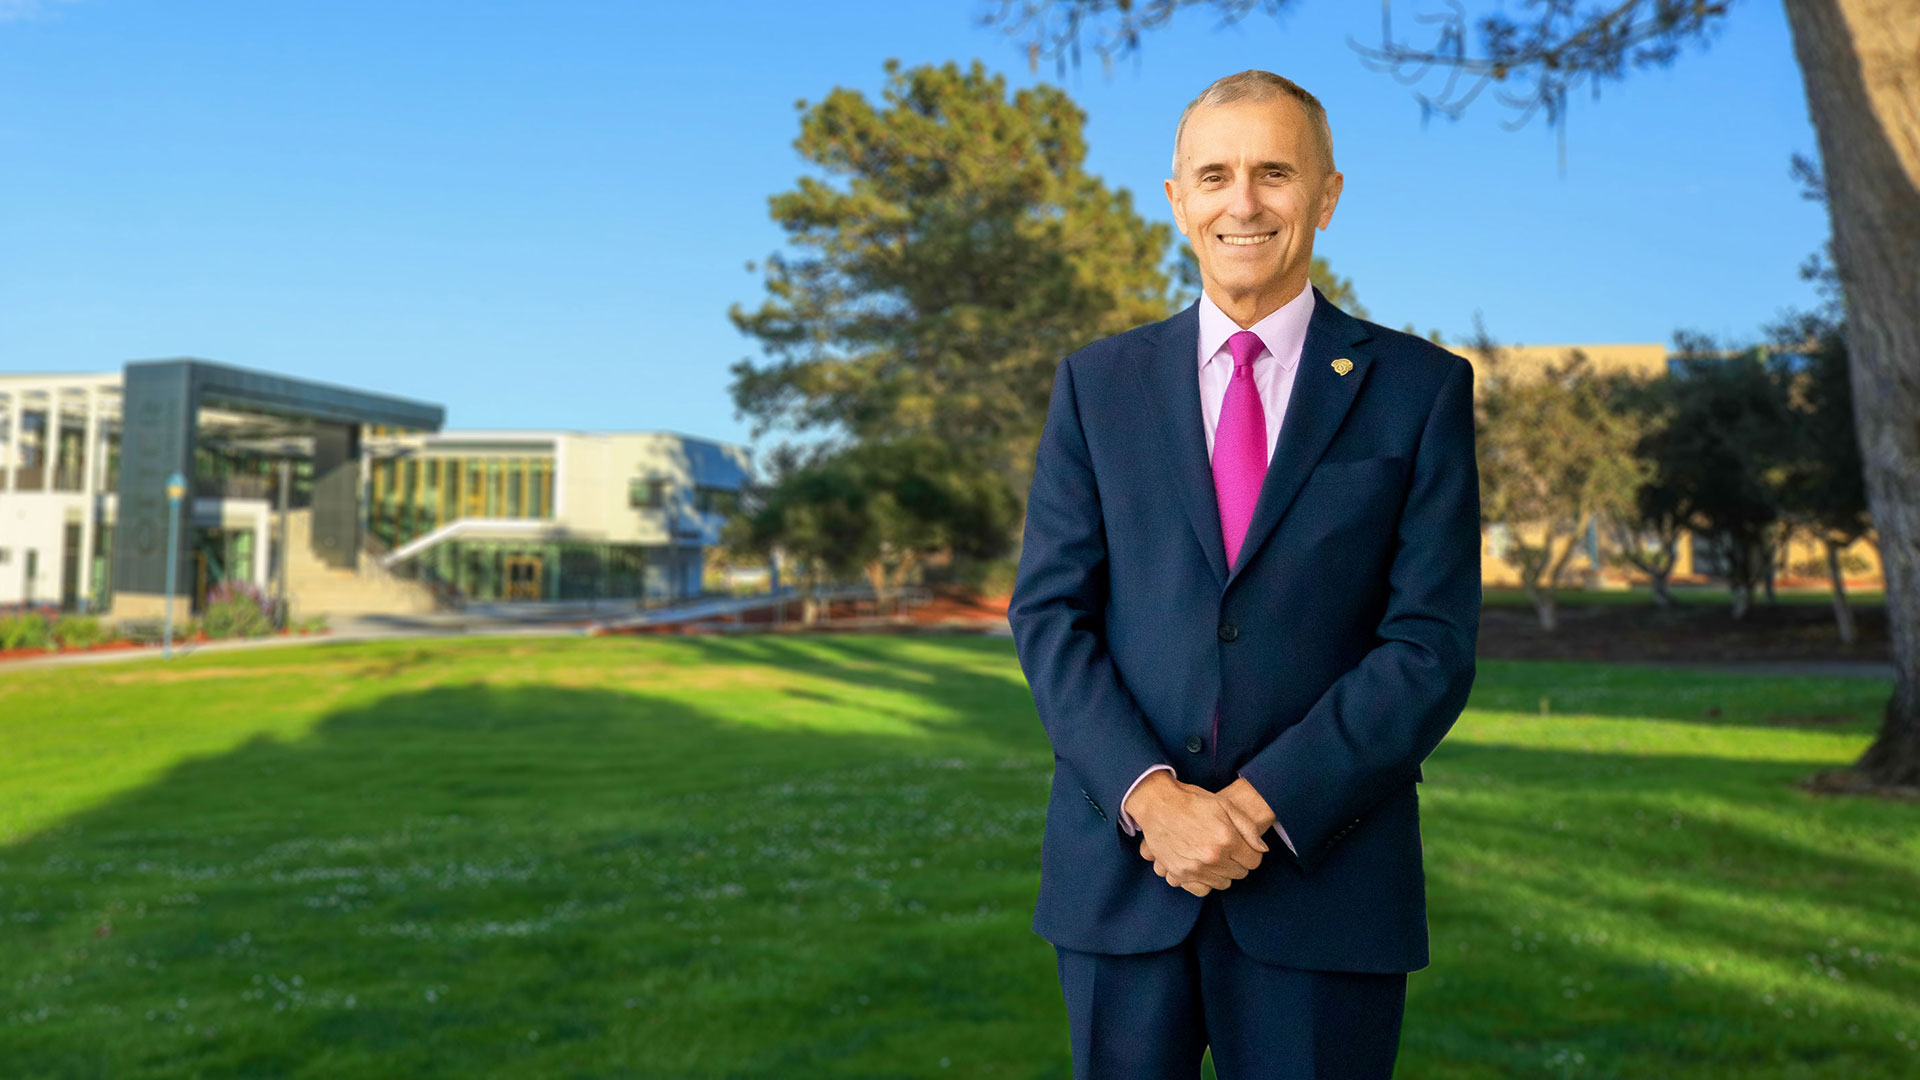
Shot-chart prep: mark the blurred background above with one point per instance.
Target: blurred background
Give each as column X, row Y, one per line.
column 638, row 401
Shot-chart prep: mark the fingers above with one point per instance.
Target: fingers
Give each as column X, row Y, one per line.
column 1247, row 829
column 1242, row 846
column 1218, row 872
column 1209, row 850
column 1208, row 879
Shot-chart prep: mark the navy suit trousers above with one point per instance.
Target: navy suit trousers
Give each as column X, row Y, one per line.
column 1151, row 1016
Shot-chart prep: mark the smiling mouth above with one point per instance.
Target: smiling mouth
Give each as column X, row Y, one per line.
column 1248, row 239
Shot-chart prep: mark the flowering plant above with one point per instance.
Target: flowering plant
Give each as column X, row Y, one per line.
column 239, row 609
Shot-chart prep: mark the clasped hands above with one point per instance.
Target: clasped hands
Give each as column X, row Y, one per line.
column 1197, row 839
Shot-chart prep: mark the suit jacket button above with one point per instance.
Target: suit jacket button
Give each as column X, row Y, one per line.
column 1195, row 744
column 1228, row 631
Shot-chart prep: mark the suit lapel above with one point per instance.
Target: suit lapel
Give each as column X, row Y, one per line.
column 1169, row 373
column 1315, row 408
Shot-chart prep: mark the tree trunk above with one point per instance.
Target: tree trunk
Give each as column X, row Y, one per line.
column 1668, row 558
column 1544, row 605
column 1773, row 563
column 1658, row 567
column 1662, row 598
column 1744, row 571
column 1862, row 73
column 1842, row 611
column 810, row 607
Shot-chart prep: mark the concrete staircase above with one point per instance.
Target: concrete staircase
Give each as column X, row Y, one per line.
column 318, row 589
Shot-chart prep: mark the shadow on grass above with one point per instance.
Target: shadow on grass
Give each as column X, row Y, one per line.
column 545, row 880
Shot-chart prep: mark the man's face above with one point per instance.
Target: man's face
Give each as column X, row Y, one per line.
column 1252, row 186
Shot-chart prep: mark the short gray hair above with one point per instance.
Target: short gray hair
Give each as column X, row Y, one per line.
column 1257, row 85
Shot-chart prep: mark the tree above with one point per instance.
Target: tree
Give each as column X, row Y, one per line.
column 1648, row 538
column 1729, row 448
column 1860, row 68
column 1555, row 456
column 1825, row 493
column 816, row 517
column 935, row 288
column 879, row 509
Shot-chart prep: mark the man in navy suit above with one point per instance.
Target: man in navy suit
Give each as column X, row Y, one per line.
column 1246, row 605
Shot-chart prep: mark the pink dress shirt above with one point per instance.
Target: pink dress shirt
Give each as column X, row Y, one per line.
column 1283, row 333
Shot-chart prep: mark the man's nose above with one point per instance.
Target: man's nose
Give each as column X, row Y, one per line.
column 1244, row 206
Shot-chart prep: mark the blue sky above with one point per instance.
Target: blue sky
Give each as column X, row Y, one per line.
column 537, row 212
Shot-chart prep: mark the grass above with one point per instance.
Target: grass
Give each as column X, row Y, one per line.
column 796, row 857
column 1713, row 595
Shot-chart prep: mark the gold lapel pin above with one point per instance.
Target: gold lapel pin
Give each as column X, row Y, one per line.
column 1342, row 366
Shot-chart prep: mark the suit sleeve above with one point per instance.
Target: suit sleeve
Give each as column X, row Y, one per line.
column 1058, row 615
column 1369, row 732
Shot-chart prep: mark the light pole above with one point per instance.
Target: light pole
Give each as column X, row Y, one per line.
column 176, row 487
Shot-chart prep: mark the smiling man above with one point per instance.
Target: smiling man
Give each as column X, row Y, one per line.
column 1247, row 604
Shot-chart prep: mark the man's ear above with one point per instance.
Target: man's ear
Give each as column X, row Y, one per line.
column 1330, row 196
column 1173, row 200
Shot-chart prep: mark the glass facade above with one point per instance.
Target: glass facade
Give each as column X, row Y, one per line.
column 413, row 495
column 493, row 570
column 227, row 472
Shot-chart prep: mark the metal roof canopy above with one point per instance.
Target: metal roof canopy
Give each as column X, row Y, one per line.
column 278, row 395
column 160, row 405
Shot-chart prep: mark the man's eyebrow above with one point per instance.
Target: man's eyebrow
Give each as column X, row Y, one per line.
column 1258, row 166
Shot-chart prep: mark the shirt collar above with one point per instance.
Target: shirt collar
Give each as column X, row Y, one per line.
column 1283, row 331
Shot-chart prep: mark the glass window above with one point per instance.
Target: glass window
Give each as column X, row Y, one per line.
column 715, row 500
column 647, row 493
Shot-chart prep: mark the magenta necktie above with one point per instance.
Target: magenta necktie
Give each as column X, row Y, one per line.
column 1239, row 445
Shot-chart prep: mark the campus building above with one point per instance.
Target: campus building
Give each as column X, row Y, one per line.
column 345, row 501
column 550, row 515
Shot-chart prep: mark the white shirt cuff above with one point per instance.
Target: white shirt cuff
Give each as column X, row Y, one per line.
column 1126, row 820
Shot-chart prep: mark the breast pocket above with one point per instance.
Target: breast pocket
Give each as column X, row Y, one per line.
column 1386, row 470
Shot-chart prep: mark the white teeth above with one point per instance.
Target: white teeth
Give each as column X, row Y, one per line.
column 1245, row 241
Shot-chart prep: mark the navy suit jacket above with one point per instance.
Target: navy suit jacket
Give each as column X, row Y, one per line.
column 1339, row 649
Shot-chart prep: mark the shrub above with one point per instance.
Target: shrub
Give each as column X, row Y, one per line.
column 25, row 628
column 80, row 631
column 237, row 609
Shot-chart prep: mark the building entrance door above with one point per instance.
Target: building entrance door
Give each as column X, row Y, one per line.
column 220, row 555
column 523, row 577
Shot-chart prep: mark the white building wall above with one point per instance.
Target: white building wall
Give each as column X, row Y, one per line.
column 35, row 521
column 598, row 471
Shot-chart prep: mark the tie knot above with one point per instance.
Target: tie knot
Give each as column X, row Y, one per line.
column 1244, row 346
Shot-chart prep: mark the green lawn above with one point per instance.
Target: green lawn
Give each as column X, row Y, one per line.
column 795, row 857
column 1708, row 595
